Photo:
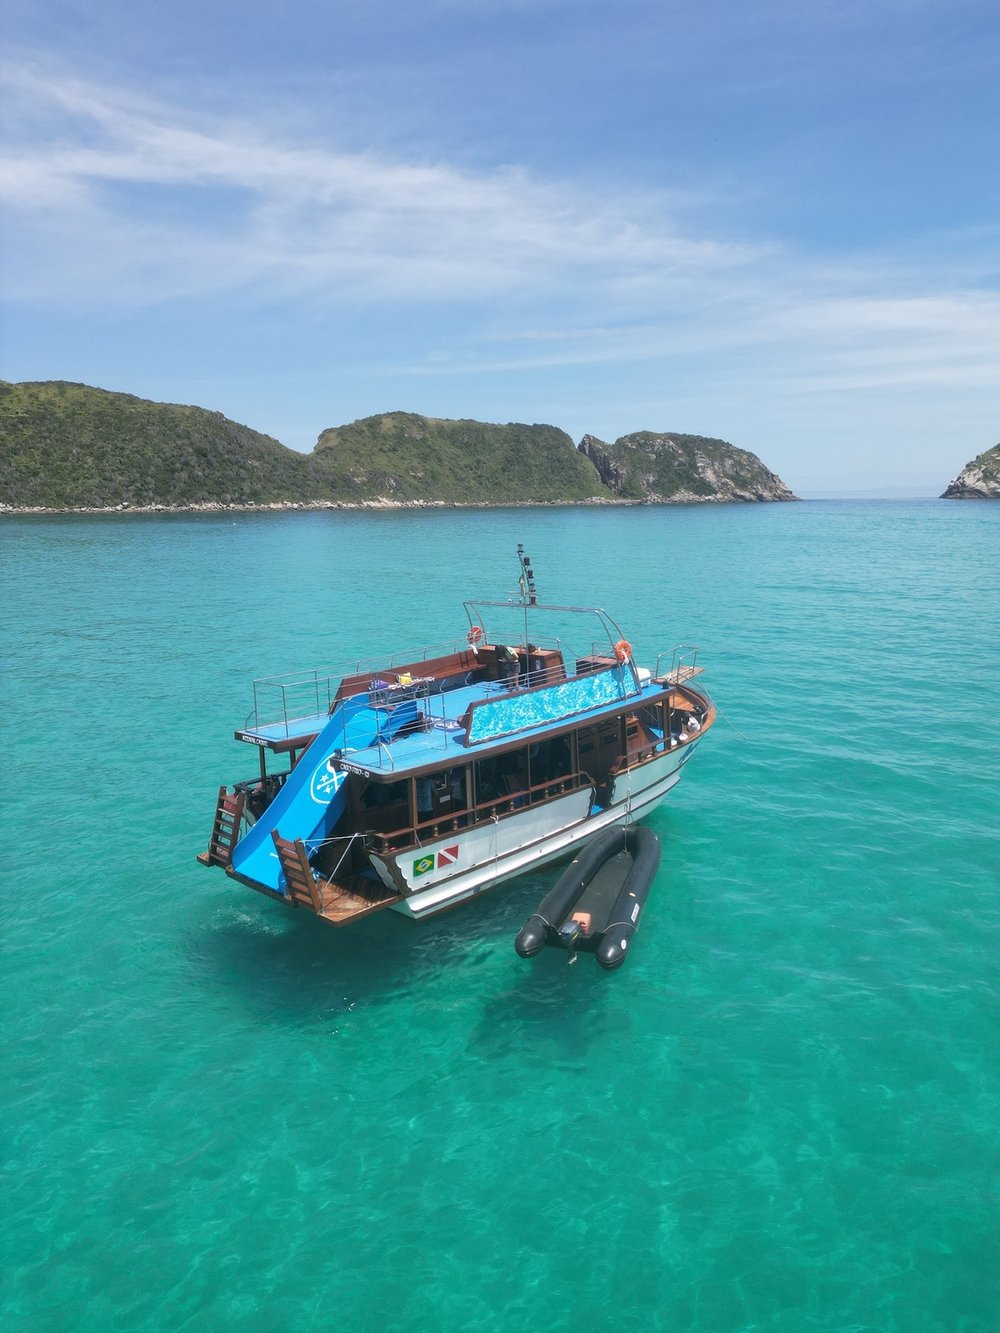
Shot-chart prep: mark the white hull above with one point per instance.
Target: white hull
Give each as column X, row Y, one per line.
column 451, row 870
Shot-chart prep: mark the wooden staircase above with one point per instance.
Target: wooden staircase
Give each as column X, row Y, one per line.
column 225, row 830
column 303, row 891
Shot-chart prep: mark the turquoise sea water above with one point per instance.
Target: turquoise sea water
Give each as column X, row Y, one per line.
column 783, row 1114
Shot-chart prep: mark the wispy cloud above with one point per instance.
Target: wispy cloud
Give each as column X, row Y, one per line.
column 261, row 211
column 117, row 200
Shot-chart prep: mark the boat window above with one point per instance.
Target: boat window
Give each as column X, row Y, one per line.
column 487, row 780
column 458, row 786
column 501, row 775
column 550, row 759
column 378, row 794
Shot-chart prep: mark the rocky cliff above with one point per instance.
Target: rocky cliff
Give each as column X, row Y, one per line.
column 978, row 480
column 677, row 469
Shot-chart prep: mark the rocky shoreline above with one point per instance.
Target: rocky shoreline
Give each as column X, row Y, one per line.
column 289, row 506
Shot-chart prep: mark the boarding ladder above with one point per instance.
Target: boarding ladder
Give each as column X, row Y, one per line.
column 225, row 829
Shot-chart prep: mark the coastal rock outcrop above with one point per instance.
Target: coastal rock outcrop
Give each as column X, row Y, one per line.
column 677, row 469
column 978, row 480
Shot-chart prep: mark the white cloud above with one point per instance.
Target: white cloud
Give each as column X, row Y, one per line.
column 119, row 201
column 256, row 210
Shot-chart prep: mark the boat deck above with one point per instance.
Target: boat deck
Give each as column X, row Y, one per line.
column 432, row 727
column 339, row 904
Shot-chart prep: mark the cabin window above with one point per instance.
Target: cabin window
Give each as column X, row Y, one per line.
column 550, row 760
column 379, row 794
column 442, row 794
column 502, row 775
column 487, row 781
column 651, row 717
column 384, row 806
column 450, row 788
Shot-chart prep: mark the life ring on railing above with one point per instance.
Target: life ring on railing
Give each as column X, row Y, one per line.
column 623, row 651
column 474, row 636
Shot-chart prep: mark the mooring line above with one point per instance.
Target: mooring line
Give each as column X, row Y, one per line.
column 732, row 724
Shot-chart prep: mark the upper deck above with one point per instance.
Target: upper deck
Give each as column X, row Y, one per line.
column 441, row 708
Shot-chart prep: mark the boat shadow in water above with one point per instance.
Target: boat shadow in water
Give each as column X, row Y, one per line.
column 287, row 970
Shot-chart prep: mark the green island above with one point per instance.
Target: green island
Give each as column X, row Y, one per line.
column 978, row 480
column 73, row 447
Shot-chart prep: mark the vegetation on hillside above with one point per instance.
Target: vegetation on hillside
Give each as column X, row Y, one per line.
column 69, row 446
column 651, row 466
column 402, row 456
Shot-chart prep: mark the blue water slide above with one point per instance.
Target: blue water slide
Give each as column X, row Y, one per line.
column 314, row 794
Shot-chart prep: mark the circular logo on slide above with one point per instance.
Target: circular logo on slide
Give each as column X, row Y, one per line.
column 326, row 782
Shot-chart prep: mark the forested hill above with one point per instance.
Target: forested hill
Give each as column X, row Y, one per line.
column 402, row 457
column 69, row 446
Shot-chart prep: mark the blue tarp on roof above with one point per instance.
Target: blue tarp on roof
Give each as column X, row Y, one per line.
column 520, row 711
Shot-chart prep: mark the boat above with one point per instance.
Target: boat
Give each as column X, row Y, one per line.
column 597, row 901
column 419, row 780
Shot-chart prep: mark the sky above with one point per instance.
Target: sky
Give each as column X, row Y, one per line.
column 774, row 223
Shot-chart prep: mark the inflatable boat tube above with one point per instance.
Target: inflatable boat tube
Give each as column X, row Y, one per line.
column 601, row 921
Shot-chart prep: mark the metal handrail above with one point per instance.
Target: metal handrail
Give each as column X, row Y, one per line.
column 483, row 812
column 683, row 655
column 290, row 714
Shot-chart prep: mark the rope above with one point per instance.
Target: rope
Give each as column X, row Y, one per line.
column 324, row 842
column 496, row 843
column 732, row 724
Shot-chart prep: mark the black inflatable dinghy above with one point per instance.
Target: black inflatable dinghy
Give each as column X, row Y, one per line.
column 596, row 903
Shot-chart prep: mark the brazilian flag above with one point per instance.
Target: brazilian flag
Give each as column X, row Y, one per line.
column 423, row 864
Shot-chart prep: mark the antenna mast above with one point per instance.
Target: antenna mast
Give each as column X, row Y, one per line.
column 526, row 586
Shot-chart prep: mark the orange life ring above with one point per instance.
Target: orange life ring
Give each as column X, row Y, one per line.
column 474, row 635
column 623, row 651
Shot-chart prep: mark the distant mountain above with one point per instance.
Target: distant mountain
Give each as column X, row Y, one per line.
column 681, row 468
column 978, row 480
column 70, row 446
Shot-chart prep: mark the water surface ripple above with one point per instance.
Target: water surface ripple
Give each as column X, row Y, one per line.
column 781, row 1115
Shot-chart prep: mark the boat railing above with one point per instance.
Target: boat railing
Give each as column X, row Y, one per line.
column 525, row 679
column 484, row 812
column 291, row 697
column 299, row 704
column 683, row 664
column 435, row 710
column 297, row 696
